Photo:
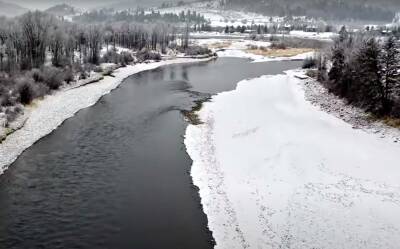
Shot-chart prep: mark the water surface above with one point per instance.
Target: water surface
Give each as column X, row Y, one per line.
column 117, row 174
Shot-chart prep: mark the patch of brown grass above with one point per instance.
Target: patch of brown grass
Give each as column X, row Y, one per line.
column 289, row 52
column 220, row 45
column 192, row 116
column 394, row 122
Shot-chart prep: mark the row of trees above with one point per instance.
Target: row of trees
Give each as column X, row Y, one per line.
column 365, row 71
column 383, row 10
column 140, row 16
column 26, row 42
column 39, row 53
column 275, row 28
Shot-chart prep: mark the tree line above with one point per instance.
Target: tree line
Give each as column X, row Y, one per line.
column 366, row 71
column 27, row 41
column 39, row 52
column 139, row 16
column 383, row 10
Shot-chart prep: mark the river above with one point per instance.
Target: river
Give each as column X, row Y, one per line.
column 117, row 174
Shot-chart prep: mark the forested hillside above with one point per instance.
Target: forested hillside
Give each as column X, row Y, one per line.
column 333, row 9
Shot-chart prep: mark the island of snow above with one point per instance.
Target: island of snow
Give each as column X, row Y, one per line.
column 274, row 171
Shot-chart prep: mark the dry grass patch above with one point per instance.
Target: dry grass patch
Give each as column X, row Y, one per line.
column 289, row 52
column 192, row 116
column 394, row 122
column 220, row 45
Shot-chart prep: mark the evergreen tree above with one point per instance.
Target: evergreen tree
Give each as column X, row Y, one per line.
column 343, row 34
column 390, row 74
column 336, row 75
column 226, row 29
column 369, row 89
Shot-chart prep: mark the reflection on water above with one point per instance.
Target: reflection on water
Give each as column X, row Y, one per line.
column 117, row 174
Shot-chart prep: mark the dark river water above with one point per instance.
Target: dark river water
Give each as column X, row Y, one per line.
column 116, row 175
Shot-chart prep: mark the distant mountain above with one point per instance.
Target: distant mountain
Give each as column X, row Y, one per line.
column 368, row 10
column 10, row 9
column 90, row 4
column 132, row 4
column 62, row 10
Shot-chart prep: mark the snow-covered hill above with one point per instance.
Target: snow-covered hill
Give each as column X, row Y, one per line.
column 219, row 17
column 11, row 10
column 62, row 10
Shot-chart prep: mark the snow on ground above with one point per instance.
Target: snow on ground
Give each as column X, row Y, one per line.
column 222, row 18
column 238, row 53
column 118, row 49
column 49, row 113
column 319, row 96
column 313, row 35
column 319, row 36
column 237, row 48
column 274, row 171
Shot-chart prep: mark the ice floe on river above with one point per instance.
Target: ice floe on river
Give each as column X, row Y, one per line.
column 274, row 171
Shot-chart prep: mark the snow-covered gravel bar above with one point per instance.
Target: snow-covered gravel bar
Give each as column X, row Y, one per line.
column 54, row 109
column 274, row 171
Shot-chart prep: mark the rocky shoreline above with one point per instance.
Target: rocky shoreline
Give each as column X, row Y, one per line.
column 319, row 96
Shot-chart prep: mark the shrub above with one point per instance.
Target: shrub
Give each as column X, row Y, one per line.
column 309, row 62
column 26, row 94
column 278, row 45
column 69, row 75
column 12, row 113
column 37, row 75
column 273, row 38
column 196, row 50
column 145, row 55
column 253, row 47
column 98, row 69
column 6, row 99
column 126, row 58
column 25, row 90
column 53, row 77
column 110, row 57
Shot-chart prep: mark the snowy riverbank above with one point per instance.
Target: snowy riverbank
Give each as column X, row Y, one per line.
column 47, row 114
column 358, row 118
column 275, row 171
column 241, row 48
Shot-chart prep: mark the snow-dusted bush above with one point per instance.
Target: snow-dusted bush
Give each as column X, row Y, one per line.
column 110, row 57
column 37, row 75
column 145, row 55
column 278, row 45
column 12, row 112
column 126, row 58
column 5, row 97
column 69, row 75
column 25, row 90
column 123, row 58
column 53, row 77
column 196, row 50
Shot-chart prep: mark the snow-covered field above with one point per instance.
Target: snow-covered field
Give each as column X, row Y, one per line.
column 274, row 171
column 260, row 58
column 237, row 48
column 223, row 18
column 313, row 35
column 47, row 114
